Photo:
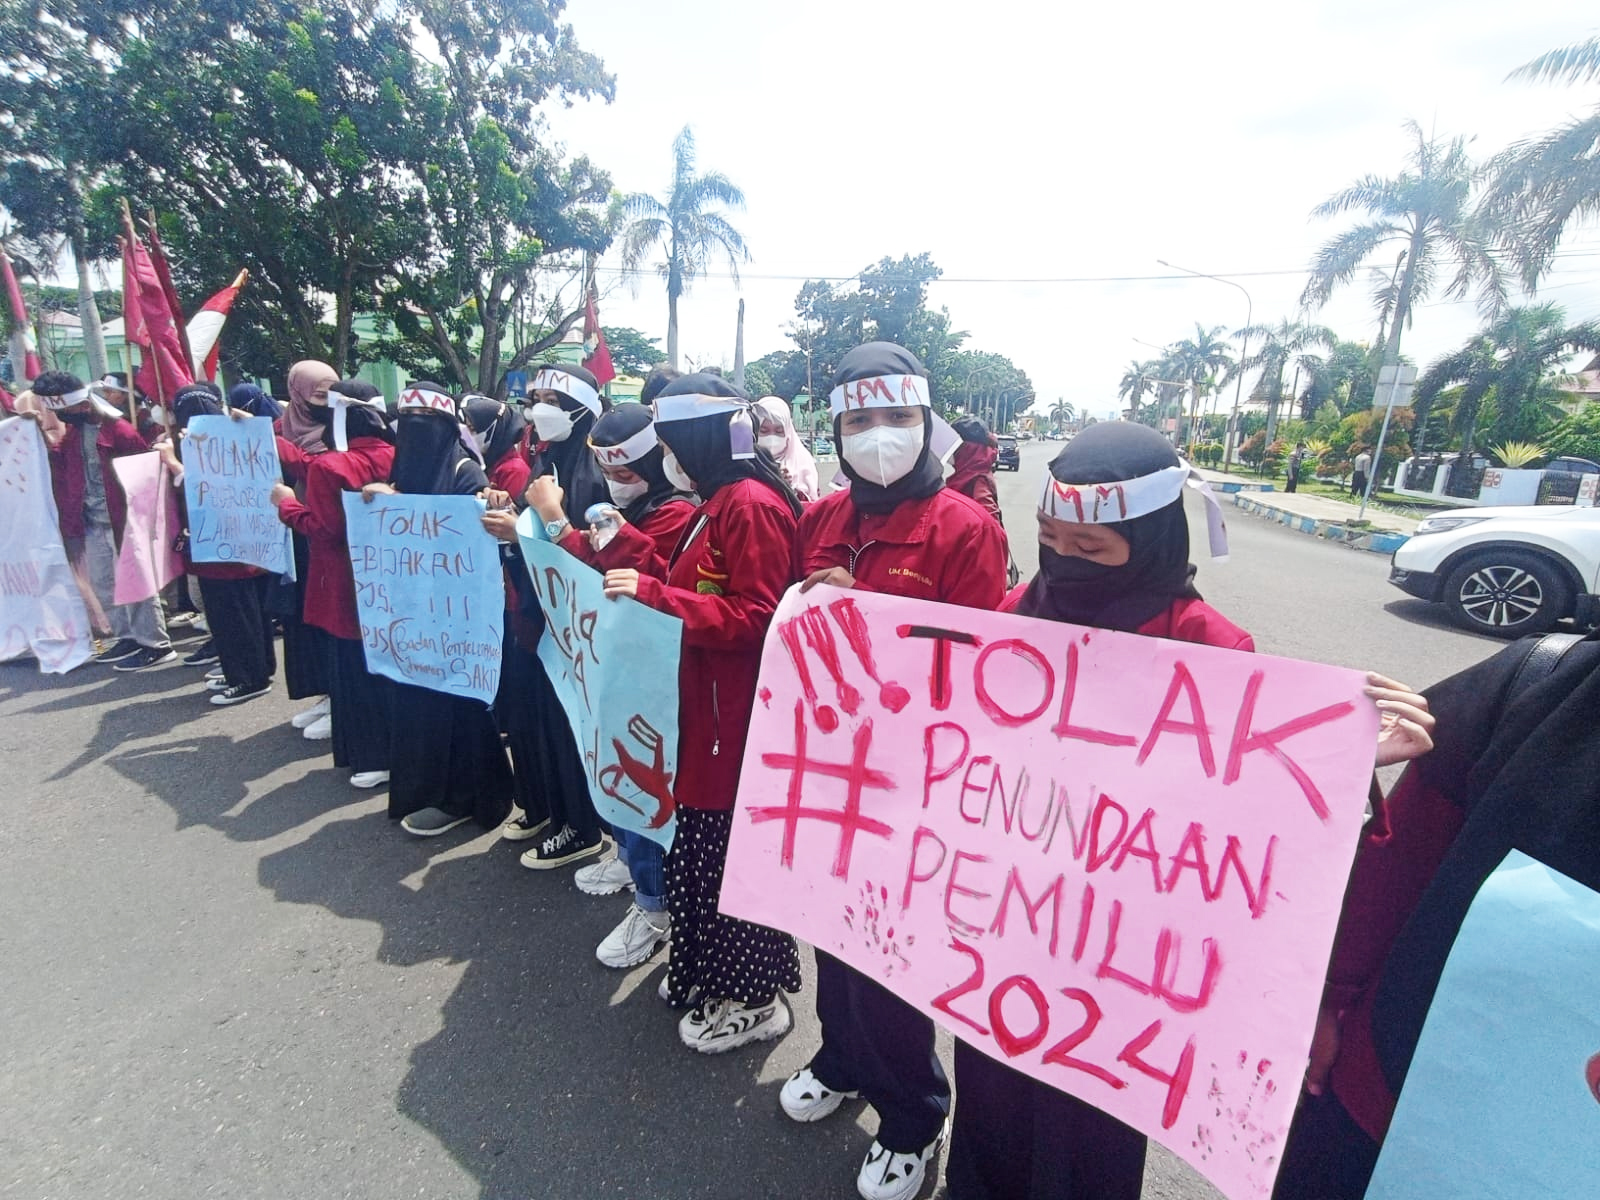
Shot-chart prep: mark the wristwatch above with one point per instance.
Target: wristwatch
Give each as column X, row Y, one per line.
column 553, row 529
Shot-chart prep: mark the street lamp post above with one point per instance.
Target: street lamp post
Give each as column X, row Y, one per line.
column 1244, row 347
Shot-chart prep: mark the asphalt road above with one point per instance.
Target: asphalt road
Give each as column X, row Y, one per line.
column 227, row 975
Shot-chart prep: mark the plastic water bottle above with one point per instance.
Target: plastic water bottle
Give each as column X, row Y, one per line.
column 604, row 520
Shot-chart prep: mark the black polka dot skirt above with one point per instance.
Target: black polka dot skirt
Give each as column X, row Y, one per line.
column 726, row 958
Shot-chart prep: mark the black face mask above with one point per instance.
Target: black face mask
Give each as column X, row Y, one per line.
column 77, row 418
column 322, row 414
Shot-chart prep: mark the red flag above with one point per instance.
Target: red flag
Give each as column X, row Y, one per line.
column 597, row 355
column 32, row 368
column 158, row 257
column 205, row 327
column 148, row 323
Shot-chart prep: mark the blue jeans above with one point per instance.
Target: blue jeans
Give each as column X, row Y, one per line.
column 645, row 861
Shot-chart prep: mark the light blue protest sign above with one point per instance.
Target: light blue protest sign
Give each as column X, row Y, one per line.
column 1502, row 1100
column 614, row 663
column 429, row 591
column 229, row 470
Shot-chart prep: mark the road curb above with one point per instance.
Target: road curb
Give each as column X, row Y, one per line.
column 1233, row 487
column 1376, row 541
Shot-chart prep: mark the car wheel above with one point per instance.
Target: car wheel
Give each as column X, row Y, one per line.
column 1507, row 594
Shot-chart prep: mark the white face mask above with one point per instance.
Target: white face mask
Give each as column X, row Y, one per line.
column 551, row 422
column 158, row 415
column 624, row 494
column 674, row 473
column 883, row 453
column 773, row 443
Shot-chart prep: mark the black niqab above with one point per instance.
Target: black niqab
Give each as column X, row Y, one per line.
column 875, row 360
column 498, row 426
column 360, row 420
column 430, row 460
column 1158, row 571
column 196, row 400
column 703, row 446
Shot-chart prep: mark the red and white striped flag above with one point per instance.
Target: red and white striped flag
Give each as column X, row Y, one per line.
column 597, row 355
column 205, row 327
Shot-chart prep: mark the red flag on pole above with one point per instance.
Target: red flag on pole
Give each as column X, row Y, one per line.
column 597, row 355
column 158, row 258
column 148, row 322
column 205, row 327
column 30, row 367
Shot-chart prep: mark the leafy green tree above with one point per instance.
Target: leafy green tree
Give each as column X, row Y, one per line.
column 785, row 371
column 1427, row 211
column 1577, row 435
column 688, row 225
column 1200, row 361
column 1511, row 365
column 1137, row 382
column 1275, row 347
column 1543, row 185
column 632, row 353
column 757, row 383
column 1062, row 414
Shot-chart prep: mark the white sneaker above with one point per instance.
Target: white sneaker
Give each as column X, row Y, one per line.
column 310, row 716
column 369, row 779
column 893, row 1175
column 716, row 1026
column 319, row 730
column 805, row 1098
column 639, row 935
column 604, row 878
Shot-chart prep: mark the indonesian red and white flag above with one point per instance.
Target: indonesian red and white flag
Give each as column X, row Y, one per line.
column 597, row 355
column 31, row 366
column 205, row 327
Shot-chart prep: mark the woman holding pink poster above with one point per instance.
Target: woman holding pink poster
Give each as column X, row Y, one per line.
column 896, row 529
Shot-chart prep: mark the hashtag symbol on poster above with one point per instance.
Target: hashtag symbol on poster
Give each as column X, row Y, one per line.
column 856, row 775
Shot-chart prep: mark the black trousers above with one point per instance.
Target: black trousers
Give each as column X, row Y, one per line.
column 446, row 754
column 1016, row 1139
column 241, row 631
column 305, row 647
column 517, row 716
column 362, row 707
column 1328, row 1156
column 875, row 1043
column 563, row 781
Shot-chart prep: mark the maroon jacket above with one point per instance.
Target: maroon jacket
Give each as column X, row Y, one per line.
column 724, row 583
column 115, row 439
column 330, row 584
column 943, row 547
column 973, row 476
column 646, row 547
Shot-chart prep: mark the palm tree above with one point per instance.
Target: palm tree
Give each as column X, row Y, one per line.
column 1138, row 381
column 1062, row 414
column 1509, row 367
column 1200, row 360
column 1426, row 209
column 1278, row 345
column 1542, row 185
column 687, row 225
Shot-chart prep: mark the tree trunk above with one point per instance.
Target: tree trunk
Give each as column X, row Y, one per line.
column 94, row 338
column 672, row 330
column 738, row 351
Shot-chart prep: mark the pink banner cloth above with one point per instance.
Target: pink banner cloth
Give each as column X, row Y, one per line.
column 147, row 562
column 1112, row 862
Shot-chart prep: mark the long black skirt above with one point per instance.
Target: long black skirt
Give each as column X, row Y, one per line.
column 516, row 713
column 446, row 754
column 240, row 629
column 726, row 958
column 362, row 707
column 305, row 647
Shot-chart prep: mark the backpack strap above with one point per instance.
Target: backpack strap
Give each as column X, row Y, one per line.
column 1542, row 659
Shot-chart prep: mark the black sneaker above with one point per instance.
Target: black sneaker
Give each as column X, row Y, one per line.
column 118, row 650
column 431, row 822
column 235, row 694
column 560, row 848
column 147, row 657
column 203, row 655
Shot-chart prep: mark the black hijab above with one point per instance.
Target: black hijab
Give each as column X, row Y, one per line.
column 360, row 420
column 196, row 400
column 616, row 427
column 429, row 456
column 872, row 361
column 703, row 446
column 1068, row 588
column 498, row 426
column 571, row 461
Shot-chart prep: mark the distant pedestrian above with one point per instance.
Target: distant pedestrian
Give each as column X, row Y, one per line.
column 1359, row 470
column 973, row 465
column 1295, row 459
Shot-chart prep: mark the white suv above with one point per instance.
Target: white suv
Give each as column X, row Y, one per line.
column 1506, row 571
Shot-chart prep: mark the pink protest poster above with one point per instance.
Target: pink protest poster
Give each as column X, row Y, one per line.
column 146, row 561
column 1114, row 863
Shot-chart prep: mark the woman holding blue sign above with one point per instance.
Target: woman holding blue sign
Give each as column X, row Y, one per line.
column 447, row 766
column 359, row 450
column 897, row 529
column 724, row 581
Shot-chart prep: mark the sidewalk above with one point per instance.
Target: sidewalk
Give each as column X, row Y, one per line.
column 1319, row 516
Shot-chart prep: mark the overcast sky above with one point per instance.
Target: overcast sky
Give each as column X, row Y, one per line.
column 1017, row 139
